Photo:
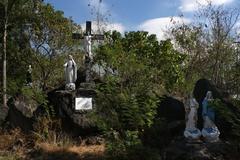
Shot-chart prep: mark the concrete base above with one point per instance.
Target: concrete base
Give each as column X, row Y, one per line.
column 70, row 86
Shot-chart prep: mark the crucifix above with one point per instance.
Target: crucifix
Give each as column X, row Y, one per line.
column 88, row 37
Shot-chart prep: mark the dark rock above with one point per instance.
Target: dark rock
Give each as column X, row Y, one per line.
column 3, row 114
column 75, row 122
column 26, row 106
column 171, row 109
column 81, row 77
column 20, row 115
column 168, row 124
column 201, row 88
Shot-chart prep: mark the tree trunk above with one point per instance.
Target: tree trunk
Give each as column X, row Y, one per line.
column 4, row 57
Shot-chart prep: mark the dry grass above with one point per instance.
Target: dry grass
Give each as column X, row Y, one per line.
column 49, row 151
column 16, row 145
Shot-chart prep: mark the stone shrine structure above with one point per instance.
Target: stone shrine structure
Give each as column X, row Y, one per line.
column 74, row 103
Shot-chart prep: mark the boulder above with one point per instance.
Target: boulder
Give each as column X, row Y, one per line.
column 171, row 109
column 3, row 114
column 21, row 113
column 78, row 123
column 168, row 124
column 201, row 88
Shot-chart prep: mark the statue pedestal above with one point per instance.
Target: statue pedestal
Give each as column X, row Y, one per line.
column 65, row 104
column 75, row 101
column 70, row 86
column 192, row 134
column 75, row 107
column 211, row 134
column 77, row 122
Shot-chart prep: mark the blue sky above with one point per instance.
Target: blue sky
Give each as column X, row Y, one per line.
column 153, row 16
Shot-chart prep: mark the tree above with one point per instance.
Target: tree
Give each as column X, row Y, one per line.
column 51, row 40
column 40, row 36
column 7, row 6
column 5, row 54
column 10, row 17
column 138, row 69
column 208, row 44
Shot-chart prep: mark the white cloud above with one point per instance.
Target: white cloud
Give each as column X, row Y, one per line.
column 115, row 26
column 105, row 27
column 158, row 26
column 192, row 5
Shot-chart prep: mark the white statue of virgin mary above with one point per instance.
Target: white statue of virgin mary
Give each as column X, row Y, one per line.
column 191, row 131
column 70, row 68
column 210, row 131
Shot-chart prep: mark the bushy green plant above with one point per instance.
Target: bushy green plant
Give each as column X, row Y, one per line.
column 137, row 69
column 230, row 115
column 125, row 110
column 129, row 147
column 236, row 102
column 34, row 93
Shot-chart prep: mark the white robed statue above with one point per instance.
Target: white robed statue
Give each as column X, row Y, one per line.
column 191, row 131
column 210, row 131
column 70, row 68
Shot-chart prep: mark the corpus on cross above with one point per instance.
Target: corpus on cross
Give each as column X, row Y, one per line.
column 88, row 38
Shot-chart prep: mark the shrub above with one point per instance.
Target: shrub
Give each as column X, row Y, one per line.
column 228, row 116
